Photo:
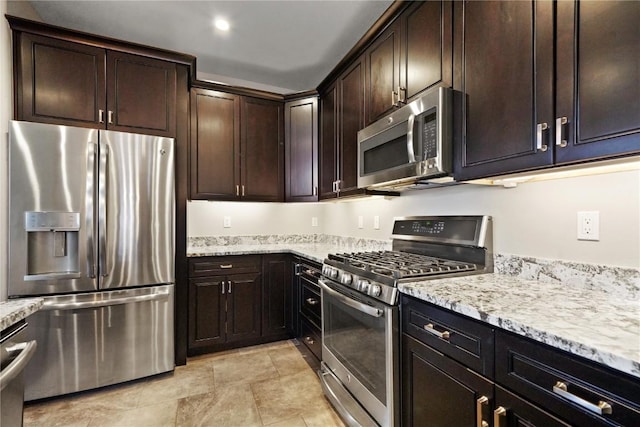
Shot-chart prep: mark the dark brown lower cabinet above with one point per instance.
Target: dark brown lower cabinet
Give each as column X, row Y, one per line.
column 512, row 411
column 439, row 392
column 277, row 319
column 223, row 309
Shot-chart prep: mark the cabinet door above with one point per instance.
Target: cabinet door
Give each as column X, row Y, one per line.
column 426, row 55
column 328, row 142
column 301, row 150
column 215, row 145
column 504, row 63
column 59, row 82
column 276, row 296
column 243, row 306
column 141, row 94
column 439, row 392
column 206, row 311
column 262, row 150
column 382, row 63
column 350, row 121
column 514, row 411
column 598, row 79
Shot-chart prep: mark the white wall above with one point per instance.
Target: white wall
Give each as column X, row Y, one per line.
column 534, row 219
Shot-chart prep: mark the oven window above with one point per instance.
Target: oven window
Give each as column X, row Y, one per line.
column 357, row 340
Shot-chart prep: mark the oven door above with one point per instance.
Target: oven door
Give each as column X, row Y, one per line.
column 360, row 348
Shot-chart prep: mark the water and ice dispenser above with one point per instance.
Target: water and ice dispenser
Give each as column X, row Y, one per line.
column 52, row 245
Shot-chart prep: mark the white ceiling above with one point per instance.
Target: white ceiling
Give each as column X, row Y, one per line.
column 283, row 46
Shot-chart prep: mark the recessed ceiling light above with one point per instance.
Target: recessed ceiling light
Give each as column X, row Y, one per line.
column 221, row 24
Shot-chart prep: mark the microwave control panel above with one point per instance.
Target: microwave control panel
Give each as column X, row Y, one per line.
column 429, row 136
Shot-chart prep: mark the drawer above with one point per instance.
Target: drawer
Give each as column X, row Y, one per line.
column 534, row 370
column 310, row 302
column 463, row 339
column 222, row 265
column 311, row 337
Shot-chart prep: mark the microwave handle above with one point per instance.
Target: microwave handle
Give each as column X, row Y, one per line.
column 410, row 152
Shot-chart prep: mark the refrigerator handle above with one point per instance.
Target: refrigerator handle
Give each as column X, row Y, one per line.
column 90, row 209
column 102, row 208
column 51, row 305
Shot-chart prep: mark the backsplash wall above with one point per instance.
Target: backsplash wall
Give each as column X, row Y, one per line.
column 534, row 219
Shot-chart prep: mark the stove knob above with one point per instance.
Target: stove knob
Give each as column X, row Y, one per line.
column 375, row 290
column 333, row 273
column 364, row 286
column 346, row 278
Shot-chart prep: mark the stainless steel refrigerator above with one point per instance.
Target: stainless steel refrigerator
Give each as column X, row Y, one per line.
column 91, row 229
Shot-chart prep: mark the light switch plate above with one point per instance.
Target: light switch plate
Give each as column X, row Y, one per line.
column 376, row 222
column 360, row 221
column 314, row 221
column 589, row 225
column 226, row 222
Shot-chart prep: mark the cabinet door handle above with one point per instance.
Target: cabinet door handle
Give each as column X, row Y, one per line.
column 223, row 285
column 499, row 415
column 402, row 95
column 561, row 138
column 540, row 128
column 601, row 408
column 445, row 335
column 110, row 117
column 229, row 288
column 309, row 340
column 226, row 266
column 315, row 190
column 101, row 116
column 395, row 101
column 243, row 190
column 481, row 403
column 237, row 190
column 312, row 301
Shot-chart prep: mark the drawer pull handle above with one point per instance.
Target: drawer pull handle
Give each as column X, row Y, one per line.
column 312, row 301
column 601, row 408
column 445, row 335
column 561, row 138
column 498, row 415
column 309, row 340
column 226, row 265
column 481, row 403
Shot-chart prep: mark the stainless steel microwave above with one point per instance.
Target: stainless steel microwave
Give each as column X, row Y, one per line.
column 412, row 144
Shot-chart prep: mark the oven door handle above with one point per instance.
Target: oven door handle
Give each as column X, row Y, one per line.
column 364, row 308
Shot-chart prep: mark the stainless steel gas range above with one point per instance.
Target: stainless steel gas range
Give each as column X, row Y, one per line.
column 360, row 330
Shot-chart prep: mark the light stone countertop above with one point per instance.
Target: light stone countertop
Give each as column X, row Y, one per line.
column 581, row 320
column 14, row 310
column 598, row 321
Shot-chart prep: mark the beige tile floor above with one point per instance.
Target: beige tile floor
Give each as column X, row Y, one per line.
column 266, row 385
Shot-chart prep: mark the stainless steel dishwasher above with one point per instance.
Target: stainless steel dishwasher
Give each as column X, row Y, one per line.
column 15, row 353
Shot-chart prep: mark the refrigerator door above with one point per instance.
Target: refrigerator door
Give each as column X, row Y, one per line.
column 52, row 247
column 136, row 205
column 96, row 339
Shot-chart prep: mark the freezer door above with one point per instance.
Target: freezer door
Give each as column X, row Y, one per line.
column 51, row 209
column 92, row 340
column 135, row 210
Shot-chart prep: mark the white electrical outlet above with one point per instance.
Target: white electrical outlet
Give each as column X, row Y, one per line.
column 226, row 222
column 376, row 222
column 589, row 225
column 360, row 221
column 314, row 221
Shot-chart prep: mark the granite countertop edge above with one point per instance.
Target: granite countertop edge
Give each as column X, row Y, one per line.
column 14, row 310
column 542, row 322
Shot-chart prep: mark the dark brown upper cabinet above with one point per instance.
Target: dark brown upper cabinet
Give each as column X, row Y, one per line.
column 504, row 64
column 598, row 80
column 215, row 145
column 237, row 148
column 342, row 116
column 68, row 83
column 301, row 150
column 412, row 54
column 262, row 150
